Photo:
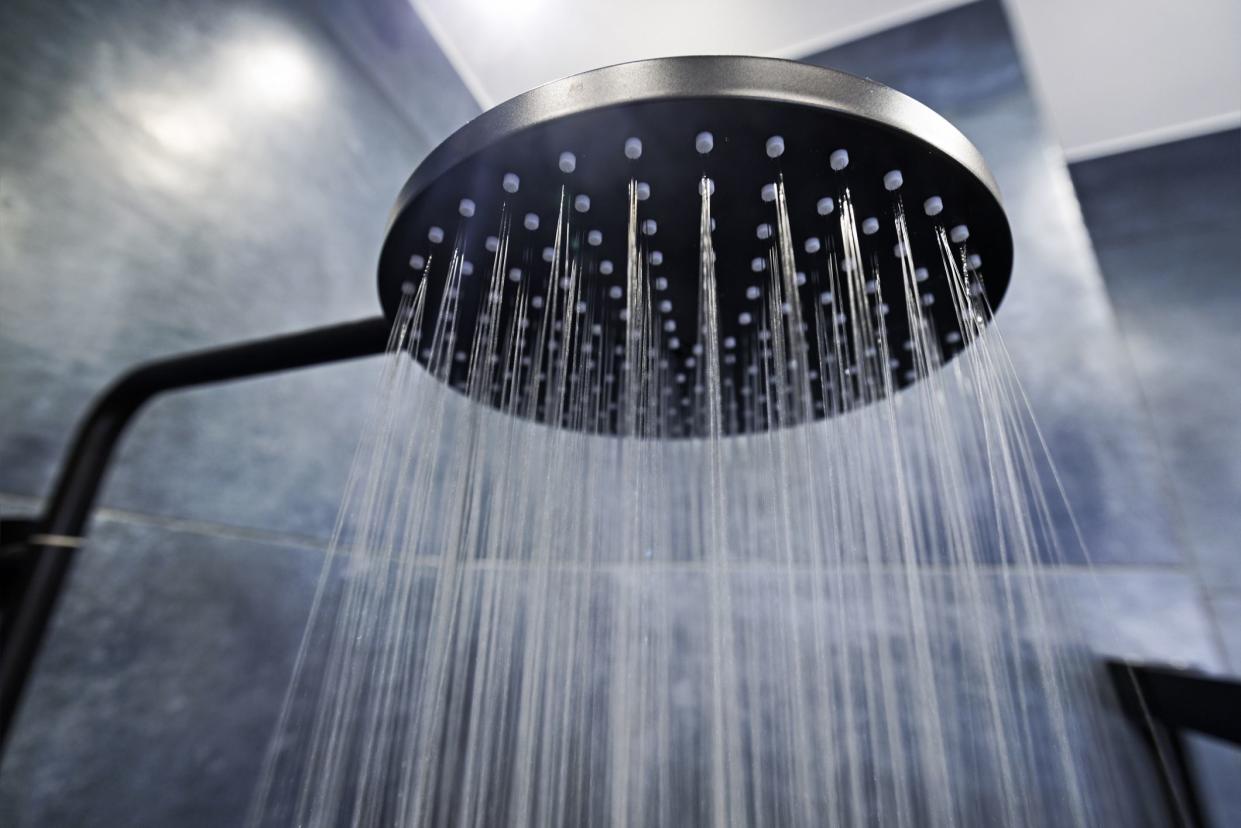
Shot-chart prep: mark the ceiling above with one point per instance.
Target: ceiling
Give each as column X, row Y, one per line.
column 1111, row 74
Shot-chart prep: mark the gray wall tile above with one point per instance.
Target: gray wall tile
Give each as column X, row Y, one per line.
column 160, row 682
column 166, row 186
column 1164, row 222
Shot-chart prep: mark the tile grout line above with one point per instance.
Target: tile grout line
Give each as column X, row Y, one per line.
column 309, row 543
column 187, row 525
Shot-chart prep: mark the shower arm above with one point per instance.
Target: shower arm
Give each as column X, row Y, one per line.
column 52, row 541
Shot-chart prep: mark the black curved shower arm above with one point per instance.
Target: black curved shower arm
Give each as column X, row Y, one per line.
column 53, row 541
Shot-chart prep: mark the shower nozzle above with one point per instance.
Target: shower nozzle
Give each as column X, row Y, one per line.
column 566, row 167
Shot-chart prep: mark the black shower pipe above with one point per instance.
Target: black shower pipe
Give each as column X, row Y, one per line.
column 58, row 534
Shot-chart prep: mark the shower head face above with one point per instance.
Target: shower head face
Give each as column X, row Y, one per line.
column 562, row 158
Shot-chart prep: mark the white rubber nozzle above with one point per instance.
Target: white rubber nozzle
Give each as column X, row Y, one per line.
column 467, row 268
column 594, row 238
column 417, row 262
column 825, row 298
column 813, row 244
column 839, row 159
column 514, row 275
column 764, row 231
column 436, row 235
column 870, row 226
column 633, row 148
column 661, row 283
column 892, row 180
column 510, row 182
column 549, row 253
column 581, row 203
column 704, row 142
column 649, row 227
column 530, row 222
column 775, row 146
column 825, row 206
column 758, row 265
column 466, row 208
column 568, row 162
column 656, row 257
column 768, row 192
column 616, row 291
column 492, row 244
column 670, row 325
column 665, row 306
column 753, row 292
column 605, row 267
column 959, row 233
column 799, row 278
column 744, row 318
column 933, row 206
column 974, row 260
column 644, row 191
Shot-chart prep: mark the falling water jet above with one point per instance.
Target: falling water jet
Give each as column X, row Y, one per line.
column 664, row 544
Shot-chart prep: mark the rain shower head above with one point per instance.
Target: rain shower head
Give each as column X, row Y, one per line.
column 564, row 160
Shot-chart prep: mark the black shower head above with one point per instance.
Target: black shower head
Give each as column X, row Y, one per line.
column 744, row 123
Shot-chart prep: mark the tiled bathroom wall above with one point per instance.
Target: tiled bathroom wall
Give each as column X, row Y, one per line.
column 160, row 193
column 1164, row 223
column 173, row 176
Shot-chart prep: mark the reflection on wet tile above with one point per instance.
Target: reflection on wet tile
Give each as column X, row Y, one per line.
column 181, row 177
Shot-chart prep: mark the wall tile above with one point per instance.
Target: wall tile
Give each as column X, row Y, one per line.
column 160, row 682
column 181, row 177
column 1164, row 223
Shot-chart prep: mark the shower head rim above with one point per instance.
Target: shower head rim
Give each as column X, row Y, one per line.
column 665, row 99
column 699, row 76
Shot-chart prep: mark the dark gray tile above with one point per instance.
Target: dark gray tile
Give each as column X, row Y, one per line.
column 159, row 685
column 1226, row 609
column 1165, row 223
column 1164, row 190
column 1217, row 766
column 180, row 175
column 390, row 43
column 1056, row 319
